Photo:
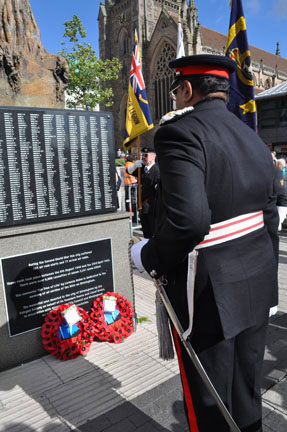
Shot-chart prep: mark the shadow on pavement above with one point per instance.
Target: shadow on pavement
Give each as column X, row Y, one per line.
column 274, row 388
column 69, row 393
column 159, row 409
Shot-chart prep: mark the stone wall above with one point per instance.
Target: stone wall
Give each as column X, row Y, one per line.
column 29, row 74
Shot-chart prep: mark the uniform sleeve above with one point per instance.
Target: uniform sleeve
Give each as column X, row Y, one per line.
column 187, row 218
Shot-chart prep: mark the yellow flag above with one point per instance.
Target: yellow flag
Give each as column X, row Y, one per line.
column 138, row 117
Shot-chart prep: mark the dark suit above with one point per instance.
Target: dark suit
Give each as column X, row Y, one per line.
column 213, row 168
column 149, row 181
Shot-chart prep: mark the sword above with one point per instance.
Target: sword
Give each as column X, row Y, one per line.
column 160, row 283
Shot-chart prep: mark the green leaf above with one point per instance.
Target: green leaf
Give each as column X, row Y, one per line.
column 89, row 82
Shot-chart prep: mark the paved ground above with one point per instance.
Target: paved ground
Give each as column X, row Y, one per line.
column 126, row 388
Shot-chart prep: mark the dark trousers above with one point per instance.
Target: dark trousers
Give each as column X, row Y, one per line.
column 234, row 368
column 147, row 223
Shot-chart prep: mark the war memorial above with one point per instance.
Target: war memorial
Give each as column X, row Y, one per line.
column 61, row 239
column 62, row 242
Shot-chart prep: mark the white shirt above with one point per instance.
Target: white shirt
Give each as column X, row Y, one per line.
column 148, row 167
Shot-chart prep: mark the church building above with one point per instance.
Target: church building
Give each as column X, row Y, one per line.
column 156, row 22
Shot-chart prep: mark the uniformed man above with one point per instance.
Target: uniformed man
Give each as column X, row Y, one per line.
column 149, row 182
column 215, row 195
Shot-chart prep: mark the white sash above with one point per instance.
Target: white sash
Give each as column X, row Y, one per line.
column 219, row 233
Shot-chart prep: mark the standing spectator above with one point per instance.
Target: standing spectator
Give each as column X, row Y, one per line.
column 216, row 213
column 120, row 158
column 281, row 191
column 149, row 183
column 118, row 186
column 281, row 163
column 129, row 181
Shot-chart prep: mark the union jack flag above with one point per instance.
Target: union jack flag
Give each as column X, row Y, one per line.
column 138, row 118
column 136, row 76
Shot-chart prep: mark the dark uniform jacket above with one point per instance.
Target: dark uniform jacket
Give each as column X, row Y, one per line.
column 149, row 182
column 213, row 167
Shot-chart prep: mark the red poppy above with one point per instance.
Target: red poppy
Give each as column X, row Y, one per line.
column 116, row 331
column 67, row 349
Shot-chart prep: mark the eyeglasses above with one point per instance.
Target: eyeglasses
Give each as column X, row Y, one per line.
column 172, row 93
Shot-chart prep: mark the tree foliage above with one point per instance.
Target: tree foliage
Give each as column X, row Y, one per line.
column 89, row 76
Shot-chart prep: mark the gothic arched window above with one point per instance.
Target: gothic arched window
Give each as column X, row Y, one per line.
column 124, row 42
column 125, row 76
column 162, row 81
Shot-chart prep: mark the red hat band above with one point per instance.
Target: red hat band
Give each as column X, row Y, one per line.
column 199, row 70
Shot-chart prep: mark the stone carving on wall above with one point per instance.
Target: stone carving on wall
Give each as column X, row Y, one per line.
column 61, row 74
column 29, row 74
column 10, row 62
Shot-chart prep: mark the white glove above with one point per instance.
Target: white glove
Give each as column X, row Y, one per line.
column 273, row 311
column 133, row 167
column 136, row 253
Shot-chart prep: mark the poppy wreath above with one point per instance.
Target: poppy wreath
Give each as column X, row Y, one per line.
column 67, row 349
column 119, row 330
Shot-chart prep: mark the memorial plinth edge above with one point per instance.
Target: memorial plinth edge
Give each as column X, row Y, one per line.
column 60, row 224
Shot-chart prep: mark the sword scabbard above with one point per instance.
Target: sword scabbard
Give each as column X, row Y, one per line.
column 160, row 284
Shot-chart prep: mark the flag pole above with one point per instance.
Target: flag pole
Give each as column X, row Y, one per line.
column 139, row 175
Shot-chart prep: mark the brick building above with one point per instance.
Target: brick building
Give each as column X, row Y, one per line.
column 156, row 23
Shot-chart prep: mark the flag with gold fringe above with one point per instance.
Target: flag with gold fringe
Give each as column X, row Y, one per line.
column 241, row 98
column 138, row 117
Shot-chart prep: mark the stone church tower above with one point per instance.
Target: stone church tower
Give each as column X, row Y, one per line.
column 156, row 24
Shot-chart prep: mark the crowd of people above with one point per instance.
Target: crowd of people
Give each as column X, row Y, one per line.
column 149, row 173
column 141, row 174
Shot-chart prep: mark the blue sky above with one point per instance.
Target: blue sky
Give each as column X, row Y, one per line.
column 266, row 20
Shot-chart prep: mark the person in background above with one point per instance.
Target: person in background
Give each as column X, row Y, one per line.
column 280, row 186
column 120, row 158
column 118, row 186
column 273, row 154
column 281, row 163
column 281, row 203
column 129, row 181
column 215, row 244
column 149, row 183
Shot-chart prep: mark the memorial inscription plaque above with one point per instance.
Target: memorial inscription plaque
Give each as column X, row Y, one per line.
column 37, row 282
column 55, row 164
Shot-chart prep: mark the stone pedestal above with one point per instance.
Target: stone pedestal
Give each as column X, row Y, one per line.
column 17, row 241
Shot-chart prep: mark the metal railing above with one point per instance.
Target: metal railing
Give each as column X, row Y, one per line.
column 131, row 200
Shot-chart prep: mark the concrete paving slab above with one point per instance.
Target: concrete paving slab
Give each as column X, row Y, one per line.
column 276, row 422
column 127, row 387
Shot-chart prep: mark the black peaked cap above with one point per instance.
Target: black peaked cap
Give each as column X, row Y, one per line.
column 204, row 60
column 148, row 150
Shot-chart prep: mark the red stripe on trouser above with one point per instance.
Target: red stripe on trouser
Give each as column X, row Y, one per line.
column 187, row 396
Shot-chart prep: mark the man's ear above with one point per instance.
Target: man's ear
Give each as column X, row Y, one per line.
column 187, row 91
